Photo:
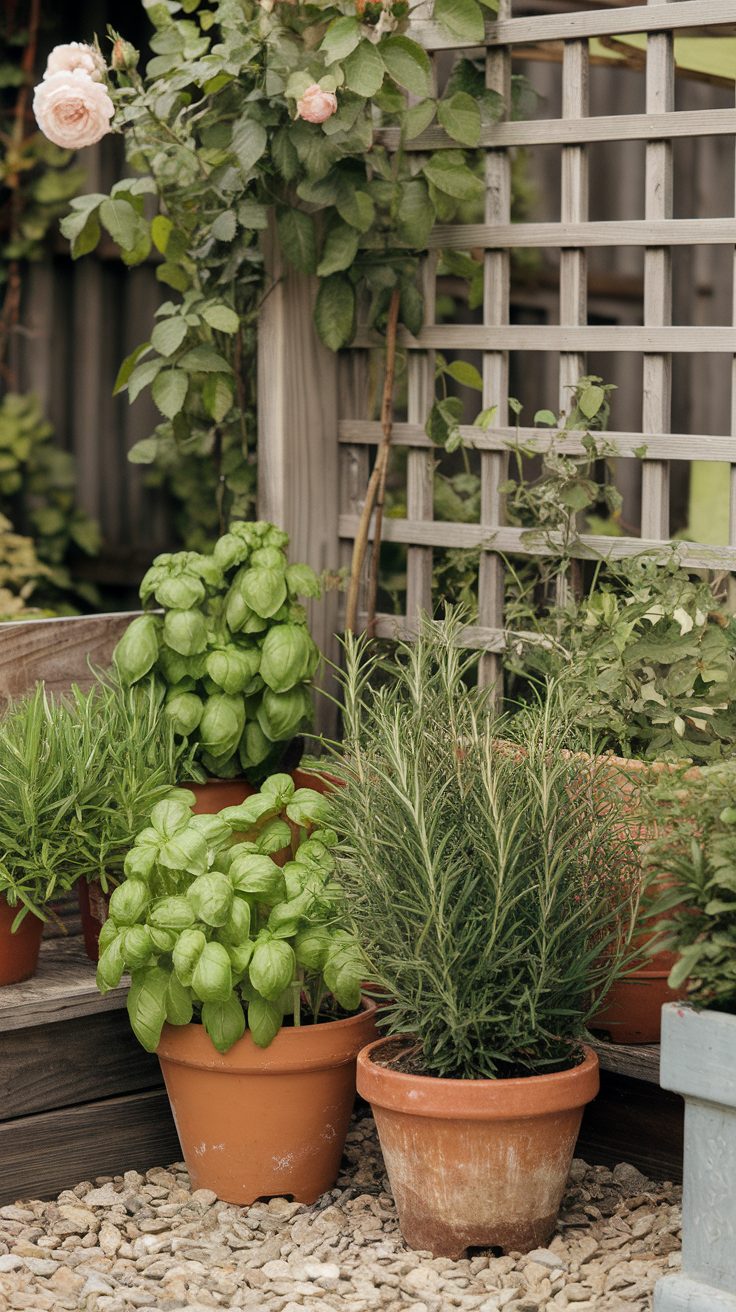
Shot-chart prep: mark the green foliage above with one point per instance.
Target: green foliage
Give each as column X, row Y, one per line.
column 232, row 650
column 483, row 867
column 37, row 486
column 695, row 861
column 216, row 144
column 655, row 652
column 212, row 928
column 21, row 572
column 78, row 775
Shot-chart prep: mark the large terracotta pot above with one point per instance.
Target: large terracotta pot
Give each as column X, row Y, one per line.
column 215, row 794
column 18, row 951
column 632, row 1011
column 475, row 1163
column 262, row 1122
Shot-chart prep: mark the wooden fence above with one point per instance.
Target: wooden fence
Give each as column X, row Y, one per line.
column 299, row 428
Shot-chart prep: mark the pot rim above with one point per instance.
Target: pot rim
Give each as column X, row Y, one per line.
column 301, row 1048
column 480, row 1099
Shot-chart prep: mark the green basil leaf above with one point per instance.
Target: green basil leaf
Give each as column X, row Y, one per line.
column 111, row 964
column 147, row 1005
column 302, row 581
column 344, row 971
column 232, row 668
column 185, row 631
column 137, row 651
column 179, row 1008
column 288, row 656
column 224, row 1022
column 182, row 592
column 259, row 876
column 264, row 590
column 129, row 901
column 264, row 1021
column 308, row 807
column 184, row 710
column 186, row 852
column 272, row 967
column 282, row 714
column 138, row 948
column 311, row 947
column 212, row 979
column 236, row 928
column 172, row 913
column 222, row 724
column 186, row 954
column 211, row 896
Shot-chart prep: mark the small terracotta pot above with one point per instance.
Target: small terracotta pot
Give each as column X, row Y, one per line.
column 476, row 1163
column 18, row 951
column 94, row 908
column 215, row 794
column 264, row 1122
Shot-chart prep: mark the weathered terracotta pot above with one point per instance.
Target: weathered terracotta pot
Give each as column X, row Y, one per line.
column 263, row 1122
column 632, row 1011
column 18, row 951
column 94, row 908
column 476, row 1163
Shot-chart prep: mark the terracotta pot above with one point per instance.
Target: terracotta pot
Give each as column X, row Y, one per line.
column 263, row 1122
column 18, row 951
column 94, row 908
column 215, row 794
column 476, row 1163
column 632, row 1011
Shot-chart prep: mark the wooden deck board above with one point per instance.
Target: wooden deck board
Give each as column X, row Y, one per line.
column 62, row 988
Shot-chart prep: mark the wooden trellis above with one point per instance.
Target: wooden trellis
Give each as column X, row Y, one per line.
column 656, row 340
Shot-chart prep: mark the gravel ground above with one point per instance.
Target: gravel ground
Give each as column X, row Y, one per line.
column 150, row 1243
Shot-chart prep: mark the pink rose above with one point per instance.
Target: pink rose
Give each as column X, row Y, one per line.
column 65, row 59
column 316, row 105
column 72, row 110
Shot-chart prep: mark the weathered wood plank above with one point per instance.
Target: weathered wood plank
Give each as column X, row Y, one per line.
column 634, row 1121
column 59, row 651
column 43, row 1154
column 639, row 1062
column 496, row 314
column 573, row 209
column 657, row 369
column 666, row 446
column 420, row 465
column 473, row 636
column 571, row 131
column 551, row 337
column 51, row 1066
column 694, row 14
column 624, row 232
column 62, row 988
column 525, row 542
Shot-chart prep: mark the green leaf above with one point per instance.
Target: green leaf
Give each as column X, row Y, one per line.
column 272, row 967
column 169, row 334
column 415, row 217
column 298, row 239
column 591, row 400
column 364, row 70
column 188, row 949
column 211, row 898
column 224, row 1022
column 356, row 208
column 121, row 221
column 172, row 913
column 222, row 724
column 334, row 312
column 264, row 590
column 82, row 229
column 185, row 631
column 251, row 214
column 111, row 965
column 258, row 875
column 408, row 64
column 308, row 807
column 418, row 118
column 137, row 650
column 264, row 1021
column 461, row 18
column 217, row 397
column 545, row 417
column 222, row 318
column 212, row 980
column 288, row 656
column 340, row 250
column 169, row 391
column 341, row 38
column 449, row 173
column 179, row 1008
column 225, row 226
column 460, row 117
column 147, row 1006
column 248, row 141
column 128, row 902
column 173, row 275
column 204, row 360
column 142, row 376
column 161, row 230
column 465, row 373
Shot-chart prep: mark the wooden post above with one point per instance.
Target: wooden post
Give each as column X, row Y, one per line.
column 297, row 441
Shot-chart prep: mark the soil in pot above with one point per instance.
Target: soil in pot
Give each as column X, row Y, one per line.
column 264, row 1122
column 475, row 1163
column 18, row 951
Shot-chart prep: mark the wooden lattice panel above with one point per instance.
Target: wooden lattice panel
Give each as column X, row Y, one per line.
column 657, row 341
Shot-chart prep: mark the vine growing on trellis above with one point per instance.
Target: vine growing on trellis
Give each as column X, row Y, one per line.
column 250, row 115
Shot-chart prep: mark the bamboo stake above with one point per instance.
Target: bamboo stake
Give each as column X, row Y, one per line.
column 376, row 490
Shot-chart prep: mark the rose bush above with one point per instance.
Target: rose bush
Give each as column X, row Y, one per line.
column 215, row 136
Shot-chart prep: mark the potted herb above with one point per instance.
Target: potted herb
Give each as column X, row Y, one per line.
column 698, row 859
column 658, row 649
column 477, row 878
column 233, row 651
column 42, row 780
column 246, row 985
column 131, row 759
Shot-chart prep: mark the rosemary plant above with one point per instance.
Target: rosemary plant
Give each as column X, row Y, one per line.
column 485, row 873
column 78, row 778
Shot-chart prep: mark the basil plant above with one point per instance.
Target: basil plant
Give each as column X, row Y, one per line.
column 232, row 647
column 213, row 928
